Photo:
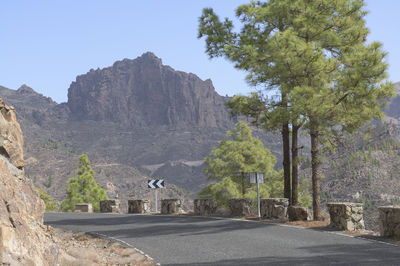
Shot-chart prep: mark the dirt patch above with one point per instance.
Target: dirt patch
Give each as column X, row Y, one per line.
column 87, row 250
column 310, row 224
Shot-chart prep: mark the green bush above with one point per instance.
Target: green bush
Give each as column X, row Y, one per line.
column 83, row 188
column 51, row 205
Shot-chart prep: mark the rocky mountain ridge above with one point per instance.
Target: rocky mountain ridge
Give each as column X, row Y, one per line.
column 144, row 92
column 127, row 149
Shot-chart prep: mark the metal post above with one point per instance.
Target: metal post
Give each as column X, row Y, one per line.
column 258, row 198
column 155, row 194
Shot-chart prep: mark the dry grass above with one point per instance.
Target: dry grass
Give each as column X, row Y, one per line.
column 310, row 224
column 87, row 250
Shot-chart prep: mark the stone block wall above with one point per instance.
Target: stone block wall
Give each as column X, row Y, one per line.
column 274, row 208
column 241, row 207
column 205, row 207
column 84, row 207
column 346, row 216
column 110, row 206
column 138, row 206
column 171, row 206
column 389, row 221
column 297, row 213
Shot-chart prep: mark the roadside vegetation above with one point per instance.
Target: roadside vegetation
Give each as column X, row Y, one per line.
column 314, row 56
column 83, row 188
column 231, row 161
column 51, row 205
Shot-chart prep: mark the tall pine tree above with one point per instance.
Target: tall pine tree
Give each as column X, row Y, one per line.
column 314, row 52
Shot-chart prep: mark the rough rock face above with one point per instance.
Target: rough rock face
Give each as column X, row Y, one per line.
column 145, row 92
column 274, row 208
column 346, row 216
column 24, row 239
column 389, row 221
column 241, row 207
column 205, row 207
column 171, row 206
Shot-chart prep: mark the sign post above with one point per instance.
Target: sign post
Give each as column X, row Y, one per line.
column 155, row 183
column 259, row 179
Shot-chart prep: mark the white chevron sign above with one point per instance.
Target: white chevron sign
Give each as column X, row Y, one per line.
column 155, row 183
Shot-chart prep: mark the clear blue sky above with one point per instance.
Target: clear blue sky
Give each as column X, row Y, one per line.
column 46, row 44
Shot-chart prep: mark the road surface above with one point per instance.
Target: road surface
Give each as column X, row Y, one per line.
column 185, row 240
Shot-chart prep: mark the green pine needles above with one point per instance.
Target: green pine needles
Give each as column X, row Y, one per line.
column 83, row 188
column 229, row 162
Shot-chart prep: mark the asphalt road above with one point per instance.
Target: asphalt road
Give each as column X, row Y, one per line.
column 182, row 240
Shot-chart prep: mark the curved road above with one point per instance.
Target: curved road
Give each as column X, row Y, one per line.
column 185, row 240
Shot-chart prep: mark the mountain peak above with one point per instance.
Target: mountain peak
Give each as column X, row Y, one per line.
column 25, row 89
column 145, row 92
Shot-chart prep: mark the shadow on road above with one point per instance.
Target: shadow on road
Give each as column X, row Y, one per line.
column 360, row 254
column 145, row 226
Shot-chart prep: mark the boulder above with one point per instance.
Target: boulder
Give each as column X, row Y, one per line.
column 110, row 206
column 298, row 213
column 171, row 206
column 346, row 216
column 138, row 206
column 84, row 207
column 205, row 207
column 389, row 221
column 241, row 207
column 274, row 208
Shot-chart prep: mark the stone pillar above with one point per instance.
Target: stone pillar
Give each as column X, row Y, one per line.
column 110, row 206
column 205, row 207
column 241, row 207
column 346, row 216
column 297, row 213
column 171, row 206
column 138, row 206
column 274, row 208
column 389, row 221
column 84, row 207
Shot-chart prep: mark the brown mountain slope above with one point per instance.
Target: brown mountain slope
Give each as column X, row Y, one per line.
column 143, row 92
column 126, row 141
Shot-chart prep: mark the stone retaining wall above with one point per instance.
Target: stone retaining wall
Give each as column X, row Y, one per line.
column 205, row 207
column 389, row 221
column 138, row 206
column 241, row 207
column 171, row 206
column 110, row 206
column 346, row 216
column 274, row 208
column 83, row 207
column 297, row 213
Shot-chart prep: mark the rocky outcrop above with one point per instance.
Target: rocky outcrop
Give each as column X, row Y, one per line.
column 24, row 240
column 146, row 92
column 346, row 216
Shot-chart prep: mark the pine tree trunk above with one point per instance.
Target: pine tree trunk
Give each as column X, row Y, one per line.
column 243, row 188
column 286, row 161
column 295, row 167
column 315, row 161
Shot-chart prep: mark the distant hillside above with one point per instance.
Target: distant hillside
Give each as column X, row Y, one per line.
column 139, row 118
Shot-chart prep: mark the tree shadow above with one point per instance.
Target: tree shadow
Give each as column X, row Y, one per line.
column 347, row 254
